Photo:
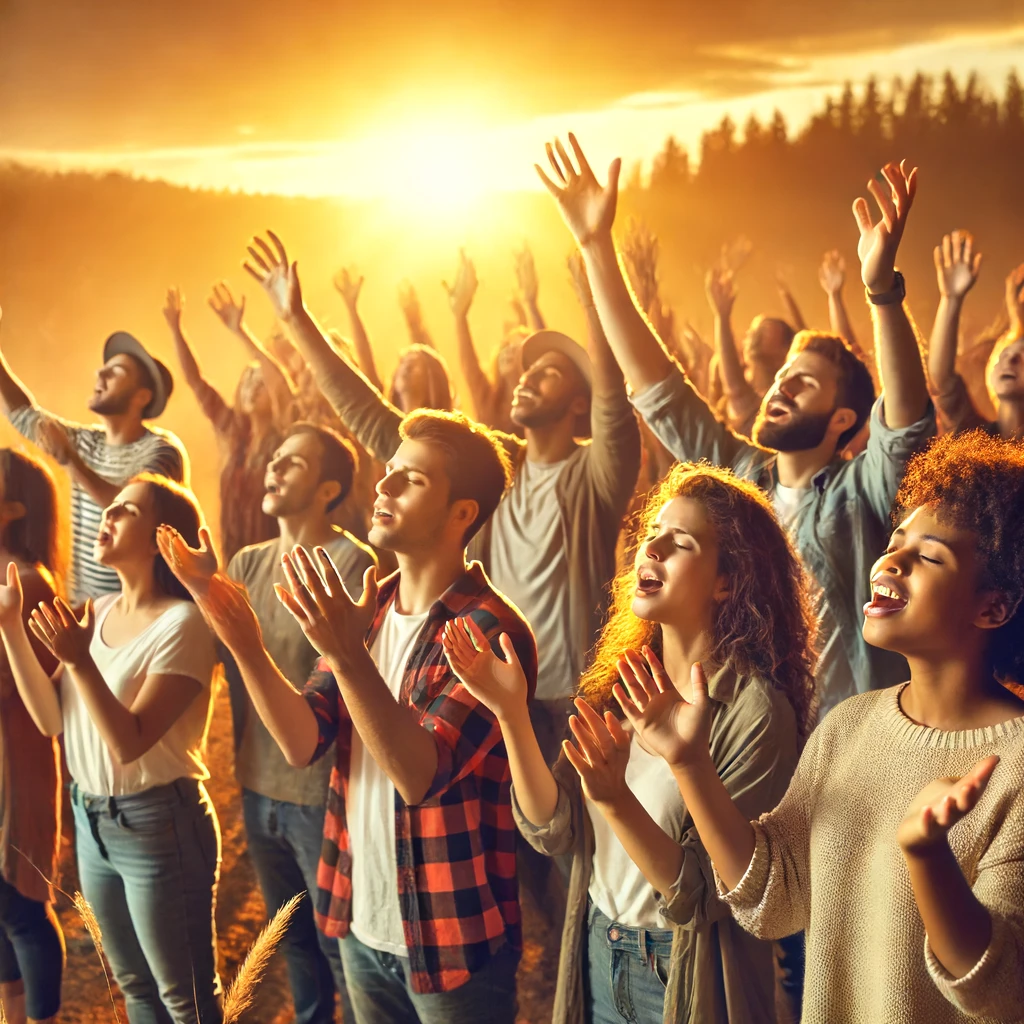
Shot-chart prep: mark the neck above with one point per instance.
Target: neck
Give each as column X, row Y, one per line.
column 1010, row 416
column 798, row 469
column 123, row 428
column 138, row 589
column 422, row 580
column 309, row 528
column 681, row 649
column 953, row 692
column 551, row 443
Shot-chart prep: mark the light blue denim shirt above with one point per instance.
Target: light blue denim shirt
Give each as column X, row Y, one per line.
column 841, row 526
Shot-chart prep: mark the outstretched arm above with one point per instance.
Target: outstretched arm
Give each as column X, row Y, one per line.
column 832, row 276
column 409, row 302
column 957, row 266
column 13, row 394
column 896, row 343
column 526, row 277
column 460, row 298
column 796, row 317
column 349, row 287
column 743, row 400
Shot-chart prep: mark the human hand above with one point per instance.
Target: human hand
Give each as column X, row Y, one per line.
column 174, row 306
column 193, row 567
column 11, row 598
column 832, row 272
column 600, row 754
column 500, row 685
column 879, row 242
column 526, row 275
column 55, row 441
column 332, row 622
column 675, row 729
column 721, row 292
column 640, row 248
column 409, row 303
column 348, row 286
column 580, row 281
column 956, row 264
column 734, row 254
column 65, row 637
column 587, row 208
column 939, row 806
column 1015, row 299
column 278, row 278
column 224, row 304
column 460, row 294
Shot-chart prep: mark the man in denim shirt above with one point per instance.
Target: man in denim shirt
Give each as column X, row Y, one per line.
column 837, row 510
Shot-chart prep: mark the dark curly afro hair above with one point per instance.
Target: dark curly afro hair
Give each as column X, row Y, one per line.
column 977, row 483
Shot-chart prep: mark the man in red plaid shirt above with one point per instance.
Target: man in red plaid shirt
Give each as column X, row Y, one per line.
column 417, row 874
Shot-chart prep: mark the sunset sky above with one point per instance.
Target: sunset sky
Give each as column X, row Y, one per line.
column 443, row 100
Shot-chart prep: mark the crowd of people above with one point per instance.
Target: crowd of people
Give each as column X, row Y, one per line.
column 715, row 649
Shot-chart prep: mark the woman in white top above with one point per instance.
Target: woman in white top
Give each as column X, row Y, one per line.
column 132, row 697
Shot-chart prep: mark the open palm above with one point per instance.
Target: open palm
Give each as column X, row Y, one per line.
column 500, row 685
column 11, row 597
column 879, row 242
column 588, row 208
column 278, row 277
column 194, row 567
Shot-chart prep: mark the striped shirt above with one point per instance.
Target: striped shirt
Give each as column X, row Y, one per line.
column 157, row 451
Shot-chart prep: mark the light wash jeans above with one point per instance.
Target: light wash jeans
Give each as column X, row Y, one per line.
column 149, row 864
column 627, row 970
column 379, row 989
column 284, row 845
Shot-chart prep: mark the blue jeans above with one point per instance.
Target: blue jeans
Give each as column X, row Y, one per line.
column 149, row 863
column 284, row 845
column 379, row 988
column 31, row 950
column 627, row 970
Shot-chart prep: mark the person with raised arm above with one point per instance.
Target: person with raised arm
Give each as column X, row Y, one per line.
column 646, row 938
column 31, row 941
column 550, row 546
column 528, row 287
column 900, row 841
column 131, row 387
column 132, row 698
column 417, row 874
column 836, row 510
column 248, row 431
column 832, row 278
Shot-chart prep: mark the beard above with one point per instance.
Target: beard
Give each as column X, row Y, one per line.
column 803, row 431
column 110, row 405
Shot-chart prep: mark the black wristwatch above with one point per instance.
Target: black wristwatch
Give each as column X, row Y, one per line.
column 897, row 293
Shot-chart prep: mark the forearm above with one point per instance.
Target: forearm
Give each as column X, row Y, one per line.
column 839, row 320
column 958, row 926
column 36, row 688
column 533, row 315
column 361, row 342
column 119, row 727
column 656, row 854
column 274, row 374
column 899, row 366
column 418, row 334
column 100, row 490
column 535, row 786
column 607, row 373
column 13, row 394
column 189, row 367
column 481, row 390
column 403, row 749
column 943, row 344
column 635, row 346
column 796, row 317
column 726, row 834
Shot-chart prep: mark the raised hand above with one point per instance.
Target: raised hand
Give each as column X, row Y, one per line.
column 640, row 247
column 735, row 254
column 879, row 242
column 65, row 637
column 721, row 291
column 225, row 606
column 675, row 729
column 409, row 303
column 580, row 281
column 174, row 306
column 587, row 207
column 956, row 264
column 194, row 567
column 1015, row 299
column 11, row 598
column 499, row 684
column 460, row 294
column 832, row 272
column 332, row 622
column 940, row 805
column 54, row 440
column 348, row 286
column 230, row 310
column 278, row 278
column 526, row 275
column 600, row 754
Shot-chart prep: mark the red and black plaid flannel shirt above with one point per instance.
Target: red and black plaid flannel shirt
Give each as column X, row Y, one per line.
column 456, row 850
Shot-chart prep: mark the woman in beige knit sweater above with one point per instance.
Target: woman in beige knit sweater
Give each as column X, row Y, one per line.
column 646, row 938
column 899, row 845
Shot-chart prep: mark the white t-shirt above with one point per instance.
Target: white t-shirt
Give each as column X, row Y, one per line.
column 528, row 564
column 370, row 807
column 177, row 643
column 617, row 885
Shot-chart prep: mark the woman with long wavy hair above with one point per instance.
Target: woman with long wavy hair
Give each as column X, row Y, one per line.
column 715, row 581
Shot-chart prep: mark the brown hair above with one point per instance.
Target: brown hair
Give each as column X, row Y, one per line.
column 173, row 505
column 478, row 467
column 338, row 459
column 764, row 628
column 35, row 537
column 440, row 389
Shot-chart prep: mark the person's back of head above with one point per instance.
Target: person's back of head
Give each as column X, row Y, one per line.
column 31, row 511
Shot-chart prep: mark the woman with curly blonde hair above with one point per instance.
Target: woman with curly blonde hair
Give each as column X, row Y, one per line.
column 715, row 582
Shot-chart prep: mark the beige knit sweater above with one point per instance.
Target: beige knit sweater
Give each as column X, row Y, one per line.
column 827, row 861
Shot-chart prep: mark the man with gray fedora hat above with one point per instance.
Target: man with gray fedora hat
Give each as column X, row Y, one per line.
column 131, row 387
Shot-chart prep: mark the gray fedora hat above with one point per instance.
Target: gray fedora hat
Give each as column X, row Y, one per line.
column 121, row 343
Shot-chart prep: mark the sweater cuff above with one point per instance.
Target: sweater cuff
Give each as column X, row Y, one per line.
column 750, row 889
column 972, row 991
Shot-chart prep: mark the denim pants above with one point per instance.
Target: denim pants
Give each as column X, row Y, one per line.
column 284, row 845
column 627, row 970
column 149, row 863
column 379, row 988
column 31, row 950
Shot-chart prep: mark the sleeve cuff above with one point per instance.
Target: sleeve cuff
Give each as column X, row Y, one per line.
column 749, row 891
column 888, row 436
column 657, row 396
column 977, row 976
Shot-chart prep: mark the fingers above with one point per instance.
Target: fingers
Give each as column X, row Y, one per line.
column 258, row 258
column 261, row 277
column 329, row 572
column 297, row 610
column 480, row 641
column 553, row 161
column 591, row 729
column 511, row 658
column 886, row 206
column 615, row 731
column 370, row 588
column 548, row 183
column 586, row 746
column 629, row 709
column 272, row 257
column 205, row 540
column 279, row 245
column 577, row 760
column 661, row 677
column 862, row 215
column 303, row 599
column 699, row 683
column 13, row 579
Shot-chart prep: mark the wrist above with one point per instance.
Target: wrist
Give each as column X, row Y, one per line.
column 350, row 662
column 599, row 244
column 515, row 718
column 925, row 851
column 79, row 663
column 691, row 764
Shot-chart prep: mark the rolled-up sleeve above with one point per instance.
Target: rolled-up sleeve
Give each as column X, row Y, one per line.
column 322, row 695
column 557, row 836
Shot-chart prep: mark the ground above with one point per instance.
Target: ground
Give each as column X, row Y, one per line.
column 241, row 914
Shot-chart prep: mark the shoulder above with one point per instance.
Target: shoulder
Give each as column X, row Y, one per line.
column 246, row 559
column 104, row 601
column 346, row 545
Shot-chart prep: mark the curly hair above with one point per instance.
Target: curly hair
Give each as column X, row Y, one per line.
column 976, row 483
column 765, row 627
